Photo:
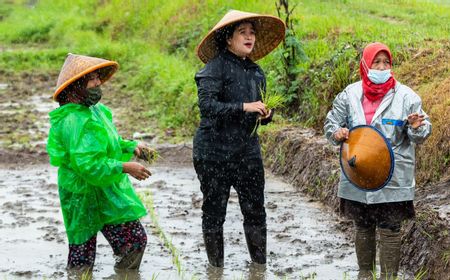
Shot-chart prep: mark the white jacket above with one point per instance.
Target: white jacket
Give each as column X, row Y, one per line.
column 391, row 119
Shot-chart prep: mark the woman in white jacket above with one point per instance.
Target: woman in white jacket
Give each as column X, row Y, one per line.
column 396, row 111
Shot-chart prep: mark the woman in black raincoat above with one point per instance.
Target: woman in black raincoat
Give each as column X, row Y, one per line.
column 226, row 152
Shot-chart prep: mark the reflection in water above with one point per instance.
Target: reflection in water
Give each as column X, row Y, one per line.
column 120, row 274
column 83, row 273
column 257, row 271
column 214, row 273
column 128, row 274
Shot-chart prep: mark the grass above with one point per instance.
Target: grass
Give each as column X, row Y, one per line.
column 154, row 42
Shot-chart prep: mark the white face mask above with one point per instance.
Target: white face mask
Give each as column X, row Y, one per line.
column 379, row 76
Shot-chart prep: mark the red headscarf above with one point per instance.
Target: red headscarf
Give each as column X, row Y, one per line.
column 372, row 91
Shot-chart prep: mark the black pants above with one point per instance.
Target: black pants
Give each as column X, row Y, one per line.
column 216, row 179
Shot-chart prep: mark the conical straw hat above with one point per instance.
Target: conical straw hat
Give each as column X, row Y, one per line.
column 270, row 31
column 76, row 66
column 367, row 159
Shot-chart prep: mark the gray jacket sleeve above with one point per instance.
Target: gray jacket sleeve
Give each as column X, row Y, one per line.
column 418, row 135
column 336, row 117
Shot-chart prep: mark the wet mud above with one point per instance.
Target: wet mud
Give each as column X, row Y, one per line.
column 303, row 240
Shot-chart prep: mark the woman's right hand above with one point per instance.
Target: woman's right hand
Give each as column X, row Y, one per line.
column 136, row 170
column 255, row 107
column 341, row 134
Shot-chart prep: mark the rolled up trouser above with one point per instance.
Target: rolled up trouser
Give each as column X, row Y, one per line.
column 128, row 241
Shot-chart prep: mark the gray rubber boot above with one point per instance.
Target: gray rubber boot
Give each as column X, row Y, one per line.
column 366, row 250
column 214, row 247
column 390, row 243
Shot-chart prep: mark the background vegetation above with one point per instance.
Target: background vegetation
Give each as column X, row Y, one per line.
column 154, row 42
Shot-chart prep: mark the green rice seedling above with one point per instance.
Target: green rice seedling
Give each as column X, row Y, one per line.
column 149, row 155
column 147, row 197
column 421, row 274
column 272, row 100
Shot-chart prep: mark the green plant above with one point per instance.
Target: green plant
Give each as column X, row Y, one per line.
column 272, row 100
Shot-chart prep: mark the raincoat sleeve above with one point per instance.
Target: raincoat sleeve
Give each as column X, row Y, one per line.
column 336, row 117
column 210, row 83
column 421, row 133
column 88, row 157
column 128, row 147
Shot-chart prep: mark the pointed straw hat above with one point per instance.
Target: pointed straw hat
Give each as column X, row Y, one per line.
column 270, row 31
column 366, row 158
column 76, row 66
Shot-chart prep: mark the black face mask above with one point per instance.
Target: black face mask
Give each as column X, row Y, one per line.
column 93, row 96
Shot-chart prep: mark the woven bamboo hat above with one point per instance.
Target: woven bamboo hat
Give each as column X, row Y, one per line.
column 270, row 31
column 366, row 158
column 76, row 66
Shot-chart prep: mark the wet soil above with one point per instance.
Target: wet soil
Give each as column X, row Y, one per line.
column 302, row 240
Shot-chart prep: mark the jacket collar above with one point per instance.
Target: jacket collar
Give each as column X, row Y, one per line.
column 245, row 63
column 355, row 98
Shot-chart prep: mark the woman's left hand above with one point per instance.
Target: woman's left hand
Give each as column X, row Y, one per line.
column 415, row 120
column 138, row 150
column 263, row 117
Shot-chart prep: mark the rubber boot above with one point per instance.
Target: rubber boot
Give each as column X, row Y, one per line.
column 390, row 242
column 130, row 261
column 214, row 247
column 365, row 245
column 256, row 237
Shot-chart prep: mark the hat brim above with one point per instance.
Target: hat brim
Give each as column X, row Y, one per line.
column 270, row 31
column 110, row 66
column 366, row 158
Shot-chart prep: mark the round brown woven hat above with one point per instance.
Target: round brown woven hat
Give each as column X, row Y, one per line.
column 367, row 159
column 270, row 31
column 76, row 66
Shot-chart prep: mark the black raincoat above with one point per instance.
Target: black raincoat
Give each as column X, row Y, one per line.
column 225, row 131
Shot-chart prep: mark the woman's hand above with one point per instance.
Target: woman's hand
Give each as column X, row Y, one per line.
column 415, row 120
column 341, row 134
column 255, row 107
column 138, row 150
column 136, row 170
column 266, row 115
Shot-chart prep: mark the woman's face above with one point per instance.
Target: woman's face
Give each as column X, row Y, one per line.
column 93, row 80
column 381, row 62
column 243, row 40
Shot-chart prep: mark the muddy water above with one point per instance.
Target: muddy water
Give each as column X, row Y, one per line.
column 302, row 238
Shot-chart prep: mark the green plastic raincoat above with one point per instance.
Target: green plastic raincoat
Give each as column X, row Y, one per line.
column 83, row 142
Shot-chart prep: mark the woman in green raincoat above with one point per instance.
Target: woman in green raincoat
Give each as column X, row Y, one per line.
column 95, row 191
